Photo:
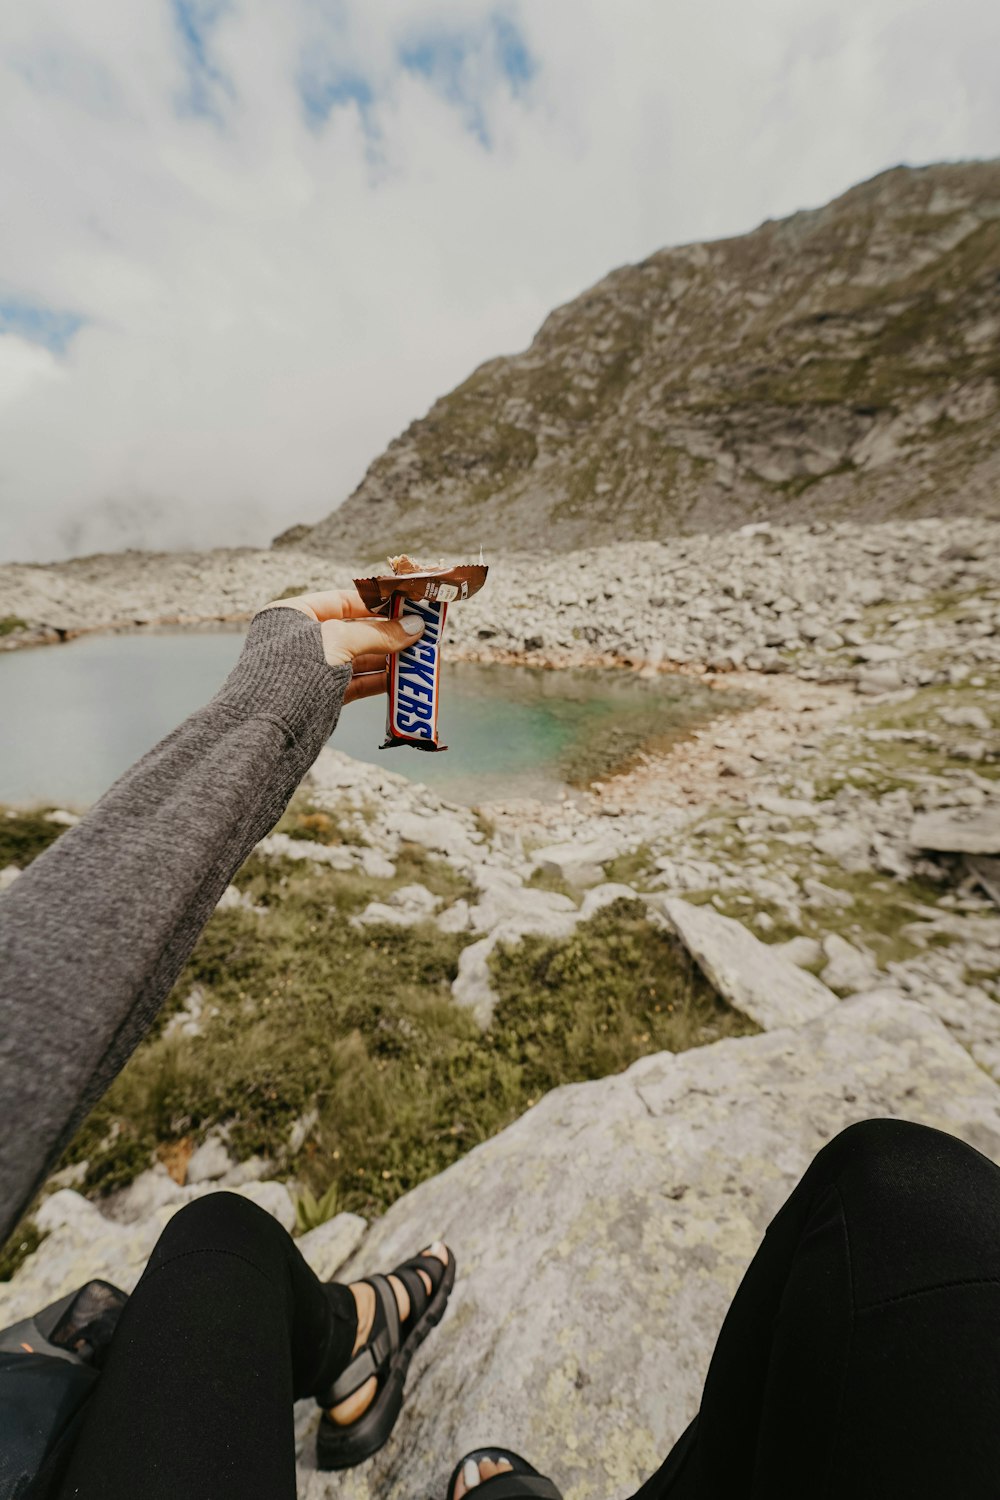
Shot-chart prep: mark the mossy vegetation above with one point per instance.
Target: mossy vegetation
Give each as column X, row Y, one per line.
column 23, row 836
column 23, row 1242
column 634, row 868
column 589, row 1006
column 881, row 911
column 304, row 1014
column 617, row 733
column 10, row 623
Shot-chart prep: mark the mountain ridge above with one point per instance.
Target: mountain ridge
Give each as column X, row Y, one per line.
column 843, row 362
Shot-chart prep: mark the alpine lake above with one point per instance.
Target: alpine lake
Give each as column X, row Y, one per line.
column 76, row 716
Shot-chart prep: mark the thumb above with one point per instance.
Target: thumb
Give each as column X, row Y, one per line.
column 343, row 640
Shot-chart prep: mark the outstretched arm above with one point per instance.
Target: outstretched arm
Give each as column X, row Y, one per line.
column 94, row 933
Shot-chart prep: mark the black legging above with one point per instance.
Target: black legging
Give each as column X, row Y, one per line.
column 860, row 1356
column 227, row 1327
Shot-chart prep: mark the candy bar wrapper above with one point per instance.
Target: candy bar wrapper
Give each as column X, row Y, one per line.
column 449, row 585
column 415, row 677
column 415, row 674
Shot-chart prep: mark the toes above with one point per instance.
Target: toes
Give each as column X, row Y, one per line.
column 467, row 1479
column 473, row 1474
column 488, row 1469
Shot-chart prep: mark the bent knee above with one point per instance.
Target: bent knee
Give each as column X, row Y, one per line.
column 218, row 1221
column 920, row 1208
column 897, row 1163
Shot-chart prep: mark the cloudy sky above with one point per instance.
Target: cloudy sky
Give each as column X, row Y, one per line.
column 244, row 242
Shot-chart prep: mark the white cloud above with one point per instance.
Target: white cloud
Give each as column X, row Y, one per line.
column 269, row 300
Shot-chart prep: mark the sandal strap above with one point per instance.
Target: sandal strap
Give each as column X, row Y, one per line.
column 373, row 1357
column 520, row 1487
column 414, row 1284
column 433, row 1268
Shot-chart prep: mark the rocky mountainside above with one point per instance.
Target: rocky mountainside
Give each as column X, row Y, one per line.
column 841, row 363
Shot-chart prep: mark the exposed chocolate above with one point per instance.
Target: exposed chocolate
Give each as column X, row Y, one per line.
column 451, row 585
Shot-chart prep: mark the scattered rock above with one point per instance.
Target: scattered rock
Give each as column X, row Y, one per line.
column 970, row 717
column 752, row 977
column 209, row 1161
column 953, row 832
column 878, row 680
column 819, row 894
column 848, row 970
column 406, row 907
column 328, row 1246
column 848, row 846
column 578, row 863
column 604, row 895
column 802, row 951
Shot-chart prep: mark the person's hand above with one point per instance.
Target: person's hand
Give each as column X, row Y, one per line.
column 354, row 637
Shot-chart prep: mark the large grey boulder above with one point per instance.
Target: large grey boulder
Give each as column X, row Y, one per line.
column 755, row 979
column 644, row 1196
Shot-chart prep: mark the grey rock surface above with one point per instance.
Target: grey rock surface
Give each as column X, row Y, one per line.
column 329, row 1245
column 754, row 978
column 803, row 952
column 210, row 1161
column 975, row 832
column 649, row 1191
column 847, row 969
column 83, row 1243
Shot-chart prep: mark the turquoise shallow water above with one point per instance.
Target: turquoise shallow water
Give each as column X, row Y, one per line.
column 74, row 717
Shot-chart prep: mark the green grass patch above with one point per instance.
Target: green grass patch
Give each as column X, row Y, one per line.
column 304, row 1012
column 23, row 1242
column 24, row 835
column 743, row 908
column 318, row 825
column 11, row 623
column 551, row 880
column 883, row 908
column 311, row 1212
column 618, row 989
column 635, row 868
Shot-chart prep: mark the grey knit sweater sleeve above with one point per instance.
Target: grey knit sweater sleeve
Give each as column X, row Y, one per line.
column 96, row 930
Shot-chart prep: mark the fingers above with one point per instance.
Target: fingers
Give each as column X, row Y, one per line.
column 371, row 661
column 339, row 604
column 370, row 676
column 366, row 685
column 326, row 604
column 344, row 640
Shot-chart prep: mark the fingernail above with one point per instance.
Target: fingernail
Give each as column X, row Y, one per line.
column 470, row 1473
column 412, row 624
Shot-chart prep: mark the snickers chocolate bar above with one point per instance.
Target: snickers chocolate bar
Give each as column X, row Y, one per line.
column 415, row 672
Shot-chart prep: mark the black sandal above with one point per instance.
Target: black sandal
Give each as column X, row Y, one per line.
column 523, row 1483
column 387, row 1354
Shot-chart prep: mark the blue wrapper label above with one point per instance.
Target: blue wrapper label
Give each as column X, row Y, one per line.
column 414, row 678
